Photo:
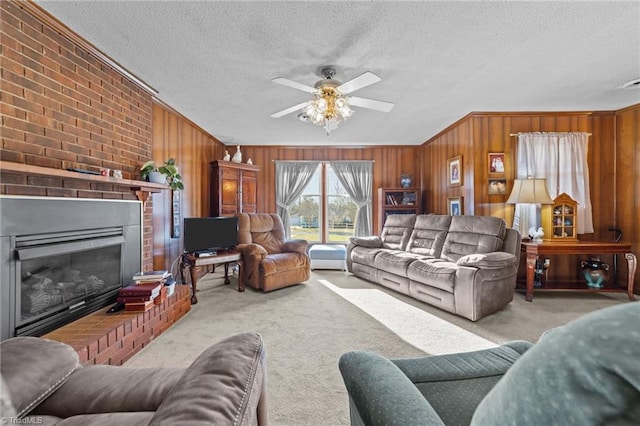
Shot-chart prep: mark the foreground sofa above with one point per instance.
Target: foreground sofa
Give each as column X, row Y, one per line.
column 466, row 265
column 584, row 373
column 43, row 383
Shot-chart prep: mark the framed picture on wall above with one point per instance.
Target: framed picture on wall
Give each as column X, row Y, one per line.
column 456, row 207
column 497, row 187
column 496, row 163
column 175, row 214
column 454, row 171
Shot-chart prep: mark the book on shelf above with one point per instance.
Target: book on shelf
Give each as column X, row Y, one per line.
column 149, row 290
column 151, row 275
column 138, row 306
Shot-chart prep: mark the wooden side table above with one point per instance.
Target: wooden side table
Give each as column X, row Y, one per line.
column 225, row 257
column 535, row 250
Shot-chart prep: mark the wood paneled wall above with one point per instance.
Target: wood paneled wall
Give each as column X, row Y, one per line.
column 390, row 163
column 174, row 136
column 626, row 178
column 614, row 166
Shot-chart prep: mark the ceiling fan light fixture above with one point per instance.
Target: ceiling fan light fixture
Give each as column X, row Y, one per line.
column 328, row 108
column 330, row 105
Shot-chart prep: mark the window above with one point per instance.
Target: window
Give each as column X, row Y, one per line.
column 324, row 212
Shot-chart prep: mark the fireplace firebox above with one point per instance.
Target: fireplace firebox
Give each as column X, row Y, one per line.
column 63, row 259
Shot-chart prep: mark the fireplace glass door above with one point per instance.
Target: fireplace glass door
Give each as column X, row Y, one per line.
column 57, row 278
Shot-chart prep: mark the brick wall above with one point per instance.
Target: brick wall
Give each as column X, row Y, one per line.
column 62, row 107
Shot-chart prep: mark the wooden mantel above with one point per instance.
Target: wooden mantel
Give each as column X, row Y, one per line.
column 141, row 188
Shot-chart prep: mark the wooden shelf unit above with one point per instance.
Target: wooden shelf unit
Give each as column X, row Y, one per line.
column 561, row 219
column 234, row 188
column 397, row 201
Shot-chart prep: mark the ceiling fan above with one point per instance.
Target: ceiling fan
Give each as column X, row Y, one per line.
column 330, row 105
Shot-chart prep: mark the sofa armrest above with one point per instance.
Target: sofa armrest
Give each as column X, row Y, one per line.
column 495, row 260
column 370, row 242
column 108, row 389
column 380, row 394
column 463, row 366
column 226, row 384
column 252, row 250
column 295, row 246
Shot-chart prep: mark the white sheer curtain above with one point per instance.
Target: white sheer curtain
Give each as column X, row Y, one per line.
column 357, row 179
column 292, row 177
column 561, row 158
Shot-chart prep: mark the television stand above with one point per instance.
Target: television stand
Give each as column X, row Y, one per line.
column 192, row 260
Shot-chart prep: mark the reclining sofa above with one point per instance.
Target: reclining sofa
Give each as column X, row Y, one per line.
column 466, row 265
column 43, row 382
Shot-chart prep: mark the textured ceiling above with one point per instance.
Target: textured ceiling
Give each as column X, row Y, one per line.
column 214, row 61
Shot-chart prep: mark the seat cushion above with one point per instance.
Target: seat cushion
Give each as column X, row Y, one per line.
column 281, row 262
column 434, row 272
column 364, row 255
column 395, row 261
column 584, row 373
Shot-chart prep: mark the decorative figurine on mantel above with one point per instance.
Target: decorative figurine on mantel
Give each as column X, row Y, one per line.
column 226, row 157
column 249, row 161
column 237, row 157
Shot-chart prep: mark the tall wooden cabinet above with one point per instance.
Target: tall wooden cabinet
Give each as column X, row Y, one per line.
column 397, row 201
column 234, row 188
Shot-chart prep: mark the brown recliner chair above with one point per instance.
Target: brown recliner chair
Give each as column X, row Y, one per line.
column 270, row 262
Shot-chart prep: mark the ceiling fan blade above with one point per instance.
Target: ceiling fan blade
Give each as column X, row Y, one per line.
column 294, row 84
column 370, row 103
column 289, row 110
column 363, row 80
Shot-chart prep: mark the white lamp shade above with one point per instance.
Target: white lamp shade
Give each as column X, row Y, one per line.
column 529, row 191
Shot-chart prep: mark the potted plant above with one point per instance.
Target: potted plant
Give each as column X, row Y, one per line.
column 167, row 173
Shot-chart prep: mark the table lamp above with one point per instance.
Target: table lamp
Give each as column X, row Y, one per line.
column 531, row 191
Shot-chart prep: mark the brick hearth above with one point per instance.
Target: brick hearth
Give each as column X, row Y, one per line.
column 101, row 338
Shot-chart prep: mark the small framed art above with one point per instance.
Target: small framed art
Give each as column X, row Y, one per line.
column 497, row 187
column 454, row 171
column 496, row 163
column 175, row 214
column 456, row 207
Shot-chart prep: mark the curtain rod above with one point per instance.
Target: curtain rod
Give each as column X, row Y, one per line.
column 323, row 161
column 524, row 133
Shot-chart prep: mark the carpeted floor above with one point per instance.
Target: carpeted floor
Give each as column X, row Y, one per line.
column 307, row 327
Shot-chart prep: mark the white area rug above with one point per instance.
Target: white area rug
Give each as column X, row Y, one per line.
column 426, row 332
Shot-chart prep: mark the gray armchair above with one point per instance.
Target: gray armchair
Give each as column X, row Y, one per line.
column 584, row 373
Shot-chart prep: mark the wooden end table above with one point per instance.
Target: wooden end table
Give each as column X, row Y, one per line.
column 535, row 250
column 224, row 257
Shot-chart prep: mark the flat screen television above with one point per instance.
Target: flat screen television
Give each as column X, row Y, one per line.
column 203, row 234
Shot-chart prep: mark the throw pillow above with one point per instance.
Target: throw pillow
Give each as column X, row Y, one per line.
column 584, row 373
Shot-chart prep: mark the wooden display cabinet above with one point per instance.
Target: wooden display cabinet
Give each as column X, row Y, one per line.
column 234, row 188
column 397, row 201
column 560, row 220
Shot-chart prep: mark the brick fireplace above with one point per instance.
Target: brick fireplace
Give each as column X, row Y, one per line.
column 63, row 258
column 66, row 105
